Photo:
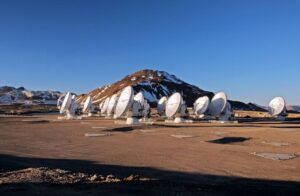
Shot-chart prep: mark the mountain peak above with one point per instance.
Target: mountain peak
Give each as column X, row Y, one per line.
column 154, row 85
column 153, row 75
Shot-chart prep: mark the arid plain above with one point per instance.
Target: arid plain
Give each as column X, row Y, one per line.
column 105, row 156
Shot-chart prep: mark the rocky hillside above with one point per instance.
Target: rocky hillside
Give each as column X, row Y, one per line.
column 11, row 95
column 156, row 84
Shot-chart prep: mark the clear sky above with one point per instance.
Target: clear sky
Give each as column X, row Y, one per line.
column 248, row 48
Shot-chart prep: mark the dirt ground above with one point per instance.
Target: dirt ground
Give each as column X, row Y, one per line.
column 41, row 155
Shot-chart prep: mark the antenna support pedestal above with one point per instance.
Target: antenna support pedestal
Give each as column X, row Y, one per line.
column 132, row 120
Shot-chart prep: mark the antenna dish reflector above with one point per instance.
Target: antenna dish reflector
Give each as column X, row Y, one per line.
column 201, row 105
column 124, row 101
column 66, row 103
column 218, row 104
column 60, row 100
column 87, row 104
column 139, row 98
column 105, row 105
column 277, row 106
column 173, row 104
column 101, row 105
column 111, row 104
column 161, row 105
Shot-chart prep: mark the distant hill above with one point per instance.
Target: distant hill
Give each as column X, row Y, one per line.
column 11, row 95
column 293, row 108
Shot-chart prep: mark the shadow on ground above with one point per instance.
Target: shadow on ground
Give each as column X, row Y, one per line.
column 168, row 183
column 229, row 140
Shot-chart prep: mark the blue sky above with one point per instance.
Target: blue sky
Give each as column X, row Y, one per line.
column 248, row 48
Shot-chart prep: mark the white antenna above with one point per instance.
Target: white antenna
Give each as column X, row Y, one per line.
column 60, row 100
column 173, row 105
column 105, row 105
column 144, row 110
column 217, row 104
column 139, row 97
column 69, row 106
column 127, row 104
column 277, row 107
column 161, row 105
column 220, row 108
column 125, row 100
column 176, row 107
column 201, row 105
column 66, row 103
column 88, row 106
column 101, row 106
column 112, row 105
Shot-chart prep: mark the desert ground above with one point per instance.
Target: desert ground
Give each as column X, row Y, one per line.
column 41, row 155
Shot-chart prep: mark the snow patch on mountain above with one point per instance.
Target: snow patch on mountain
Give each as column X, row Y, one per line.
column 11, row 95
column 169, row 77
column 149, row 96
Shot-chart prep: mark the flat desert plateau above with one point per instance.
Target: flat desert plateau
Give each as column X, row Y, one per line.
column 41, row 155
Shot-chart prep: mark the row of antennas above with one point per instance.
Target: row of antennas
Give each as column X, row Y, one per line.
column 136, row 108
column 175, row 107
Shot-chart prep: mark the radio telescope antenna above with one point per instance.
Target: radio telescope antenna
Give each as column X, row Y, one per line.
column 112, row 105
column 60, row 100
column 217, row 104
column 88, row 106
column 277, row 108
column 201, row 106
column 161, row 106
column 173, row 105
column 145, row 107
column 69, row 106
column 139, row 97
column 125, row 100
column 176, row 108
column 100, row 106
column 220, row 108
column 127, row 104
column 105, row 105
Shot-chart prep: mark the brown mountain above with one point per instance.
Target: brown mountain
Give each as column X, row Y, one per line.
column 156, row 84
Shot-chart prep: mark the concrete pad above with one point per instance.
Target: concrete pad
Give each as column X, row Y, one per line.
column 181, row 136
column 275, row 156
column 99, row 127
column 279, row 144
column 96, row 134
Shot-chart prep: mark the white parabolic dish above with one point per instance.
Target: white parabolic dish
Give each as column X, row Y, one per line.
column 87, row 104
column 101, row 105
column 124, row 101
column 105, row 105
column 66, row 103
column 201, row 105
column 161, row 104
column 139, row 97
column 173, row 104
column 217, row 104
column 111, row 104
column 276, row 106
column 60, row 100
